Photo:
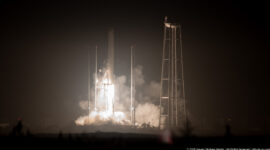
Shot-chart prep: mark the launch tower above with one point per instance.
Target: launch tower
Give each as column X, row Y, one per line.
column 172, row 93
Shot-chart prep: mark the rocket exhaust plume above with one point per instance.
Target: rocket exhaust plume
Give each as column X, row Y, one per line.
column 104, row 92
column 147, row 111
column 110, row 63
column 111, row 100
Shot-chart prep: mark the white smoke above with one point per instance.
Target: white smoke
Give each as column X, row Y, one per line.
column 122, row 94
column 147, row 114
column 83, row 104
column 146, row 100
column 152, row 90
column 138, row 76
column 102, row 118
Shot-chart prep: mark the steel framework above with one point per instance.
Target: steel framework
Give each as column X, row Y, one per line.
column 172, row 93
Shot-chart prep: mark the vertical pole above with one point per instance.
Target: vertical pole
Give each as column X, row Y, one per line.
column 89, row 84
column 134, row 89
column 96, row 81
column 131, row 85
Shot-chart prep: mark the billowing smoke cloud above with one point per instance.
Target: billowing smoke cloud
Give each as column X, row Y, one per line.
column 122, row 94
column 147, row 114
column 146, row 103
column 138, row 76
column 83, row 104
column 102, row 118
column 153, row 89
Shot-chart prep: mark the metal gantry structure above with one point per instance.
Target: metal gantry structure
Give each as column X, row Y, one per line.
column 172, row 93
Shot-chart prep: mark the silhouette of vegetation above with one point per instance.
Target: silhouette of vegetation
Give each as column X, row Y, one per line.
column 28, row 133
column 146, row 125
column 228, row 128
column 114, row 140
column 188, row 129
column 17, row 129
column 60, row 135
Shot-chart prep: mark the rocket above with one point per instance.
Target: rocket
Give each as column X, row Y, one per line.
column 110, row 59
column 110, row 66
column 104, row 82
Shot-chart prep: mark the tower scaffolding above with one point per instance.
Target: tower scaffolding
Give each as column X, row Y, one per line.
column 172, row 94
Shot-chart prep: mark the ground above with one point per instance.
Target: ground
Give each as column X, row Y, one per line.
column 113, row 140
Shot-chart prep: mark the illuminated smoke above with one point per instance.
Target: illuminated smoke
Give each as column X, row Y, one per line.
column 117, row 94
column 83, row 104
column 103, row 117
column 138, row 76
column 147, row 114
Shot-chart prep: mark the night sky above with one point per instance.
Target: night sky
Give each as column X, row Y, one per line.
column 44, row 47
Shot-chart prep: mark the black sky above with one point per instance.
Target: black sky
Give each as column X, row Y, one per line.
column 44, row 48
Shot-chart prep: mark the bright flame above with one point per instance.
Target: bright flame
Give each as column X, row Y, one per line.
column 104, row 112
column 113, row 102
column 102, row 118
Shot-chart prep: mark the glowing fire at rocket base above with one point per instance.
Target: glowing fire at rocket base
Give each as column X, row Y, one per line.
column 98, row 118
column 114, row 105
column 104, row 93
column 104, row 112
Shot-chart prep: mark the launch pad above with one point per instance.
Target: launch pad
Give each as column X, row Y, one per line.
column 104, row 111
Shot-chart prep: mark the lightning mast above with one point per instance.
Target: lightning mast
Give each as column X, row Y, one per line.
column 132, row 115
column 96, row 80
column 89, row 83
